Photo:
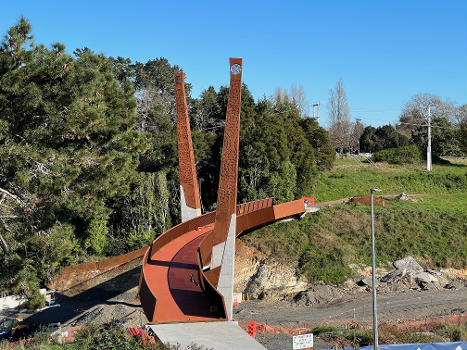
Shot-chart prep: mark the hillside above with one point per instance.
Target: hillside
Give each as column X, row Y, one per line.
column 431, row 226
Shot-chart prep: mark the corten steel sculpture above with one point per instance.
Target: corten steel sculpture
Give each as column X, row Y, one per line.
column 189, row 193
column 187, row 272
column 221, row 241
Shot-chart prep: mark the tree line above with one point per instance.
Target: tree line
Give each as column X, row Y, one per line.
column 449, row 126
column 88, row 149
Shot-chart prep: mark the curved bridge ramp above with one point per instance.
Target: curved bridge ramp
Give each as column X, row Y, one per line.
column 173, row 286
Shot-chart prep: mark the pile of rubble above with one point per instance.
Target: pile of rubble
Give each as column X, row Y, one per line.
column 408, row 274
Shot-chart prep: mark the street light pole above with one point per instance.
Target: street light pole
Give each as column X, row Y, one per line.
column 428, row 148
column 373, row 269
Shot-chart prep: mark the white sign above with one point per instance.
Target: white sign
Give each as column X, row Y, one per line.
column 302, row 341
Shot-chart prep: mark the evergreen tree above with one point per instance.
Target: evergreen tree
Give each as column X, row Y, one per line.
column 69, row 153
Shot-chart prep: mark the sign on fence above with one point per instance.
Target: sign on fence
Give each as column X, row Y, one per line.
column 302, row 341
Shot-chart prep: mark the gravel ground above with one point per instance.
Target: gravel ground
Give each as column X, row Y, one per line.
column 391, row 306
column 116, row 299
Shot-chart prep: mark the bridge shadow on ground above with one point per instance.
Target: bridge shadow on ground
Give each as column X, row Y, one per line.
column 117, row 290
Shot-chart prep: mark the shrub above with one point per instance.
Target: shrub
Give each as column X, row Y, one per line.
column 112, row 336
column 324, row 329
column 455, row 332
column 400, row 155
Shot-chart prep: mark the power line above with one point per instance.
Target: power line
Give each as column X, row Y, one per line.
column 433, row 126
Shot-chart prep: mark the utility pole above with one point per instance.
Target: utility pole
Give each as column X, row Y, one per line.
column 428, row 149
column 316, row 116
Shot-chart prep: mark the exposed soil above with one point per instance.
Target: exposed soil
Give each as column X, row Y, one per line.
column 391, row 307
column 116, row 299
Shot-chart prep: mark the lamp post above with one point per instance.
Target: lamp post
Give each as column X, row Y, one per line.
column 373, row 269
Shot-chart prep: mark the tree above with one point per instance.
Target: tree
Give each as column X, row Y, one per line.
column 383, row 137
column 340, row 125
column 444, row 138
column 445, row 118
column 318, row 138
column 296, row 96
column 461, row 124
column 157, row 76
column 207, row 114
column 367, row 140
column 415, row 111
column 355, row 134
column 69, row 153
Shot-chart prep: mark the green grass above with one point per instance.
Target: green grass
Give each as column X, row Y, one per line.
column 353, row 177
column 322, row 245
column 454, row 204
column 432, row 228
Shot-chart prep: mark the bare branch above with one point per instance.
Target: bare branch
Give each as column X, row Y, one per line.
column 19, row 201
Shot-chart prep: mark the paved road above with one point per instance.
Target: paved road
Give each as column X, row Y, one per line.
column 418, row 304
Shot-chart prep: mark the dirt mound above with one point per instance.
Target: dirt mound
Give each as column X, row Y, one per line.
column 365, row 200
column 320, row 294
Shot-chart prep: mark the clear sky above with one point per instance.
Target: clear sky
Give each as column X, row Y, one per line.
column 385, row 51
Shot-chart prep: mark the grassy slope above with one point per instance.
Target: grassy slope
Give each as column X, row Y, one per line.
column 322, row 245
column 351, row 177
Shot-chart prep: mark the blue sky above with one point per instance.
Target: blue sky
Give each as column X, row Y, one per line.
column 385, row 51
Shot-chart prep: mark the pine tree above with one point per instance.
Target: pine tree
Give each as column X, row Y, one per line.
column 68, row 148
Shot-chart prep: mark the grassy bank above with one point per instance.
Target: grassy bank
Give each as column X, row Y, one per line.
column 353, row 177
column 432, row 228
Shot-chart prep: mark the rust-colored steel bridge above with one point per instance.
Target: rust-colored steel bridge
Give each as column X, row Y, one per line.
column 187, row 272
column 174, row 287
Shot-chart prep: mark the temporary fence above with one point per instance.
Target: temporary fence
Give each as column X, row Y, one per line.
column 307, row 326
column 362, row 314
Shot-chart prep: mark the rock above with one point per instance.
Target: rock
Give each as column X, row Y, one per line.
column 425, row 277
column 402, row 197
column 392, row 276
column 253, row 288
column 427, row 281
column 409, row 274
column 318, row 295
column 454, row 284
column 247, row 260
column 349, row 284
column 364, row 282
column 408, row 265
column 440, row 276
column 405, row 197
column 273, row 281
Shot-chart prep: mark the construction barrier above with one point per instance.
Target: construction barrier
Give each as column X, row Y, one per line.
column 252, row 329
column 140, row 333
column 307, row 327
